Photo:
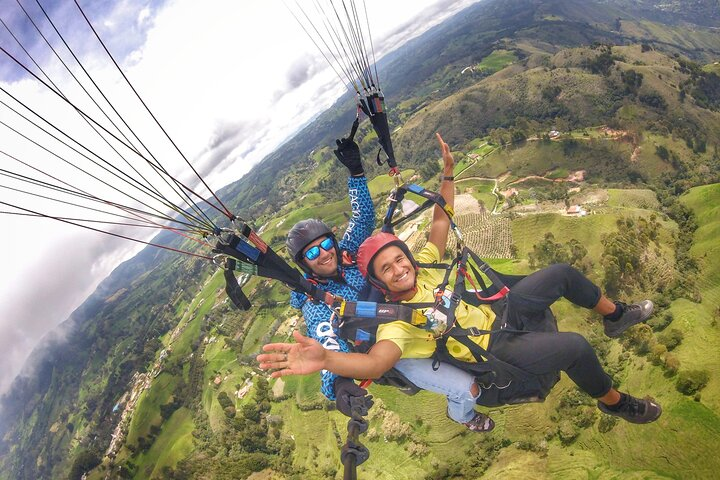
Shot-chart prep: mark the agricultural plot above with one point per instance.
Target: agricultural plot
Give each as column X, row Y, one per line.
column 481, row 190
column 490, row 236
column 496, row 61
column 633, row 198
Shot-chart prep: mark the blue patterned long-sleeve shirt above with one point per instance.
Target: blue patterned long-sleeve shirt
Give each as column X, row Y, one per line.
column 317, row 315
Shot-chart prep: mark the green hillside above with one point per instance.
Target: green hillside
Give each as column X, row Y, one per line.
column 595, row 122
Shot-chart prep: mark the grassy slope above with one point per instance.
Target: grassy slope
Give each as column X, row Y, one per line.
column 685, row 421
column 496, row 61
column 174, row 443
column 147, row 412
column 696, row 320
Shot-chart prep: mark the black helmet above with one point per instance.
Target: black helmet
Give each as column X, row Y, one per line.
column 302, row 234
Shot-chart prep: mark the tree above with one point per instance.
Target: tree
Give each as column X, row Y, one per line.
column 547, row 252
column 662, row 152
column 551, row 92
column 654, row 100
column 692, row 381
column 224, row 400
column 85, row 461
column 671, row 339
column 632, row 81
column 429, row 169
column 602, row 63
column 672, row 364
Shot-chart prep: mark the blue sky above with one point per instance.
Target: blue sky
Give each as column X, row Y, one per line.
column 228, row 80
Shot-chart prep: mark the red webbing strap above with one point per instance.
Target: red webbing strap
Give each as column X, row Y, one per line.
column 500, row 294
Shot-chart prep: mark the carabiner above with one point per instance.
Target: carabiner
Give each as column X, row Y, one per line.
column 220, row 260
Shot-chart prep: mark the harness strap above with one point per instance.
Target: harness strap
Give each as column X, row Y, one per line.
column 490, row 273
column 373, row 314
column 434, row 265
column 458, row 291
column 432, row 198
column 233, row 289
column 479, row 278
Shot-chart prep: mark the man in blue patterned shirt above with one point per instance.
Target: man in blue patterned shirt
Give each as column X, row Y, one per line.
column 330, row 263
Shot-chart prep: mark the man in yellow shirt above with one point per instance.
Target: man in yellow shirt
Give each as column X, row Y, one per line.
column 389, row 266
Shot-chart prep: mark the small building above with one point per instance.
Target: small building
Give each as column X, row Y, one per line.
column 577, row 176
column 553, row 134
column 576, row 210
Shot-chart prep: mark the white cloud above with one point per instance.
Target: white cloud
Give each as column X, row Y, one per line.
column 143, row 16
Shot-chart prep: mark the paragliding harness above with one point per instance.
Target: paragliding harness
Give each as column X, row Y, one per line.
column 501, row 382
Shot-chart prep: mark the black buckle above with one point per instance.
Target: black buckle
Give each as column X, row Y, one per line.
column 474, row 331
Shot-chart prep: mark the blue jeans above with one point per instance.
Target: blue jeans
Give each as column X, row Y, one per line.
column 447, row 380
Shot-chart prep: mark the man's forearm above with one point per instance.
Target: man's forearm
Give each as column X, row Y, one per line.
column 447, row 187
column 354, row 365
column 373, row 364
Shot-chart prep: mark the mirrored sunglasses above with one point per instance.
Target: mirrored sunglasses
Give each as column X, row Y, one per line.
column 314, row 252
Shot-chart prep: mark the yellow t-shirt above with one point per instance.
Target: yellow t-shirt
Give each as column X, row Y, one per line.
column 416, row 342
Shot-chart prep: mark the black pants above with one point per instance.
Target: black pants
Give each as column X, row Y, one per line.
column 542, row 349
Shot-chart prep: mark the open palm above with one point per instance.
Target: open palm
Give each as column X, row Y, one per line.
column 305, row 356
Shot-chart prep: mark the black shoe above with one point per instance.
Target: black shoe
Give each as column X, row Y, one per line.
column 632, row 315
column 634, row 410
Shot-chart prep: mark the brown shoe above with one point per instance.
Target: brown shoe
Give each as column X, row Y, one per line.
column 480, row 423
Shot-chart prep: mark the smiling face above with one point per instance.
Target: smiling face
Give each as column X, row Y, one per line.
column 325, row 265
column 392, row 267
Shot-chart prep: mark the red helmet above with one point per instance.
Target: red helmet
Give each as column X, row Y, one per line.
column 371, row 247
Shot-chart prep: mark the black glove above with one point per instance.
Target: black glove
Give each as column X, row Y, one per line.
column 345, row 389
column 348, row 152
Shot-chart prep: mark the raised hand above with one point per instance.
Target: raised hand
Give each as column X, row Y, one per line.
column 446, row 155
column 305, row 356
column 348, row 152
